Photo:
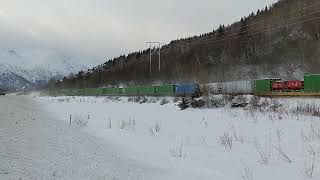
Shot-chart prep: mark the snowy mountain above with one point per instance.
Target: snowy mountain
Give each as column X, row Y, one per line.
column 27, row 69
column 11, row 81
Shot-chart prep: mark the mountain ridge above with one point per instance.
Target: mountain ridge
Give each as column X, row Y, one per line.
column 18, row 72
column 282, row 40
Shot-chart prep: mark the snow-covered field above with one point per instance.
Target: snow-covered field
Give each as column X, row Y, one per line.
column 269, row 139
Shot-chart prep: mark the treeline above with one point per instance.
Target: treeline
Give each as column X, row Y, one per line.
column 281, row 40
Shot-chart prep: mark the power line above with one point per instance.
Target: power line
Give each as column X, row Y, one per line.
column 278, row 16
column 157, row 51
column 234, row 37
column 263, row 21
column 231, row 35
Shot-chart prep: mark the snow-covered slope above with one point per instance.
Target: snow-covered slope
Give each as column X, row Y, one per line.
column 37, row 66
column 269, row 139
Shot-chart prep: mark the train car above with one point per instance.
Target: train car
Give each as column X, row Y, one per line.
column 264, row 86
column 294, row 85
column 233, row 87
column 112, row 91
column 165, row 90
column 93, row 91
column 192, row 90
column 278, row 86
column 312, row 83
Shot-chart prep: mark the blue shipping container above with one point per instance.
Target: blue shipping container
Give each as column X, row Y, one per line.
column 187, row 89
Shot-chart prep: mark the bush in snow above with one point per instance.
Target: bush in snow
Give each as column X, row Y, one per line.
column 109, row 123
column 215, row 101
column 143, row 100
column 134, row 99
column 311, row 133
column 239, row 101
column 247, row 172
column 264, row 152
column 66, row 99
column 183, row 104
column 178, row 152
column 307, row 109
column 309, row 166
column 154, row 99
column 226, row 140
column 112, row 99
column 197, row 103
column 230, row 136
column 176, row 99
column 164, row 101
column 80, row 120
column 254, row 102
column 283, row 155
column 155, row 129
column 128, row 124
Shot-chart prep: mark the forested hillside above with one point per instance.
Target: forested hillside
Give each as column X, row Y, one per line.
column 281, row 40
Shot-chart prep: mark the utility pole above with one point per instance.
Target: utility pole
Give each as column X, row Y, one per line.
column 157, row 51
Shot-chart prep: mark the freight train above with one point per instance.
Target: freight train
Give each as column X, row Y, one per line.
column 261, row 87
column 191, row 90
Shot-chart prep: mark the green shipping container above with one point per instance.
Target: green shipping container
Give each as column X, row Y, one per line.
column 312, row 83
column 165, row 90
column 112, row 91
column 146, row 90
column 93, row 91
column 131, row 91
column 262, row 86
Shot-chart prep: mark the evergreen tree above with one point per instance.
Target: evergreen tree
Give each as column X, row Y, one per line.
column 183, row 104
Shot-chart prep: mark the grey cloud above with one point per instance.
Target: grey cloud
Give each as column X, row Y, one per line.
column 108, row 28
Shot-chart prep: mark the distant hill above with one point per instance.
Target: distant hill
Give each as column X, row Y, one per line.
column 282, row 40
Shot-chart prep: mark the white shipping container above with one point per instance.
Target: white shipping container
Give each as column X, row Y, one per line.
column 234, row 87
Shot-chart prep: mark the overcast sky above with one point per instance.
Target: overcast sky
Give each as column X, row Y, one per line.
column 107, row 28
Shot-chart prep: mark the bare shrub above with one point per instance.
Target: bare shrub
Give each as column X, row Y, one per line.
column 128, row 124
column 226, row 140
column 155, row 129
column 264, row 152
column 230, row 136
column 109, row 123
column 283, row 154
column 307, row 109
column 279, row 148
column 178, row 152
column 246, row 172
column 309, row 165
column 204, row 122
column 311, row 133
column 80, row 120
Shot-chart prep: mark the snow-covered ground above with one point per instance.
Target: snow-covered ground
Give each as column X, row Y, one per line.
column 276, row 139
